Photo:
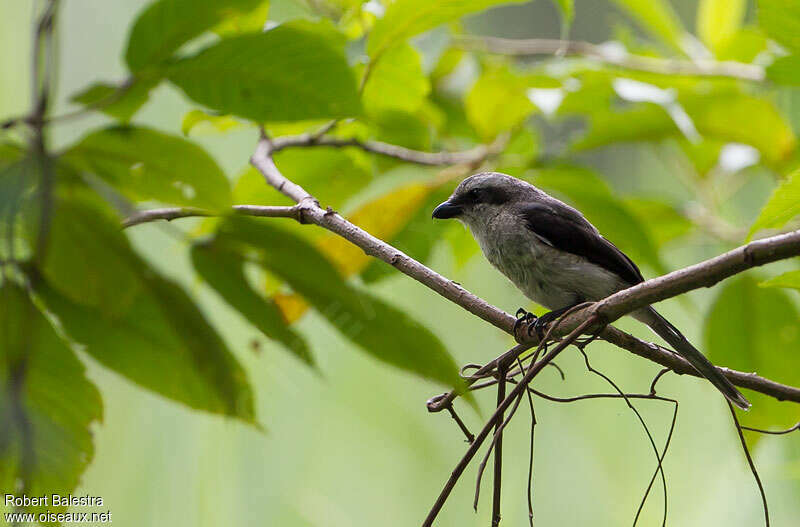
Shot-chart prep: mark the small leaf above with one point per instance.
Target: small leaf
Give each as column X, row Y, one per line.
column 780, row 19
column 785, row 70
column 144, row 164
column 263, row 76
column 381, row 330
column 218, row 123
column 396, row 83
column 119, row 102
column 497, row 103
column 47, row 408
column 658, row 17
column 782, row 206
column 406, row 18
column 718, row 21
column 165, row 25
column 244, row 22
column 756, row 329
column 790, row 279
column 223, row 270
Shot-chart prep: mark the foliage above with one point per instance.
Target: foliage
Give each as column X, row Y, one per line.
column 89, row 289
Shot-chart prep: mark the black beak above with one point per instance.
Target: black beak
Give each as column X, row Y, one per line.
column 446, row 210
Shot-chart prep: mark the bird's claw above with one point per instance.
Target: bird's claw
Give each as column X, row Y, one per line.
column 527, row 318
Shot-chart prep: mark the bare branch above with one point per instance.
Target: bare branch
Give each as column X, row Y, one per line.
column 173, row 213
column 614, row 57
column 472, row 156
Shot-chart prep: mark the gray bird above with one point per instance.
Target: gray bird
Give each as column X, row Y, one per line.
column 557, row 258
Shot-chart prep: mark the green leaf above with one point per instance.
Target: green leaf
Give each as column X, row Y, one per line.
column 397, row 82
column 658, row 17
column 381, row 330
column 718, row 21
column 780, row 19
column 119, row 102
column 782, row 206
column 592, row 196
column 165, row 25
column 497, row 103
column 333, row 175
column 662, row 220
column 417, row 233
column 756, row 329
column 292, row 72
column 88, row 259
column 162, row 342
column 244, row 22
column 785, row 70
column 790, row 279
column 405, row 18
column 47, row 407
column 224, row 271
column 144, row 164
column 218, row 123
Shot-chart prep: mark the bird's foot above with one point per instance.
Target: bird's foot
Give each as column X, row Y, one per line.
column 525, row 318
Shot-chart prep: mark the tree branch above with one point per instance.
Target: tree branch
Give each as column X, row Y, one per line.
column 612, row 56
column 472, row 156
column 704, row 274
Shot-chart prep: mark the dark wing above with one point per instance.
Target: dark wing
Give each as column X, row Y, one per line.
column 565, row 229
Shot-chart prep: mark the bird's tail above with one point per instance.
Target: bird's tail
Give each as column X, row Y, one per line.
column 684, row 348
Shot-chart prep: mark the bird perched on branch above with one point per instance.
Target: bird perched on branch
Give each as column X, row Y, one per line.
column 557, row 258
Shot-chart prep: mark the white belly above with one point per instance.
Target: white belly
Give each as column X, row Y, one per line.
column 546, row 275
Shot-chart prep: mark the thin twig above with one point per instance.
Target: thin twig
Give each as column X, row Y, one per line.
column 795, row 428
column 498, row 448
column 470, row 437
column 750, row 462
column 613, row 56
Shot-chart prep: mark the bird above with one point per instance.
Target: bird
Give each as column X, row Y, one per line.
column 557, row 258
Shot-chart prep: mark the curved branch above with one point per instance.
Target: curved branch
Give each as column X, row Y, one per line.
column 614, row 57
column 174, row 213
column 472, row 156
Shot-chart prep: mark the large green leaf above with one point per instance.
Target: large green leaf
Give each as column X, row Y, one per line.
column 790, row 279
column 119, row 102
column 658, row 17
column 292, row 72
column 224, row 271
column 88, row 259
column 47, row 406
column 781, row 21
column 397, row 82
column 130, row 319
column 497, row 102
column 782, row 206
column 406, row 18
column 719, row 20
column 144, row 165
column 757, row 329
column 381, row 330
column 163, row 343
column 165, row 25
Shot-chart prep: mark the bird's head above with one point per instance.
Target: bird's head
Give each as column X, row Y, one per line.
column 484, row 195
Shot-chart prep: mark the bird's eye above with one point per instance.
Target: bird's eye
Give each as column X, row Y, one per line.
column 474, row 194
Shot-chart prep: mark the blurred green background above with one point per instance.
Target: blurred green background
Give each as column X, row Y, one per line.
column 355, row 446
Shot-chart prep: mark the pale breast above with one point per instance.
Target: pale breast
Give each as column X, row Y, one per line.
column 546, row 275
